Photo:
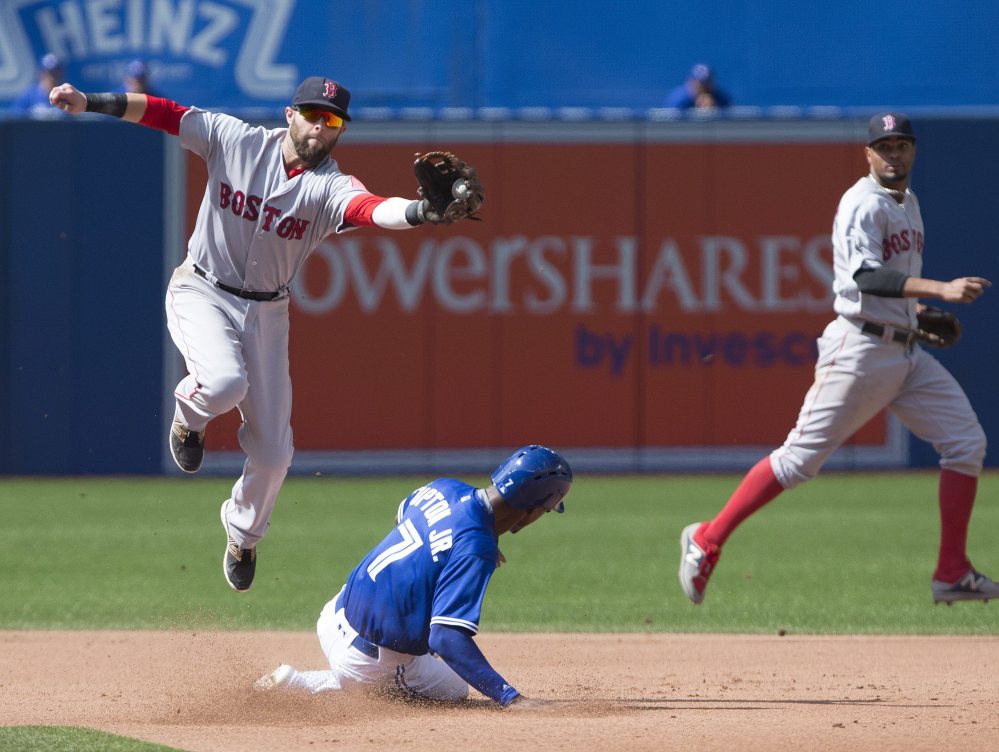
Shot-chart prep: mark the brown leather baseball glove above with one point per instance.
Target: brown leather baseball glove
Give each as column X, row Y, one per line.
column 450, row 187
column 937, row 327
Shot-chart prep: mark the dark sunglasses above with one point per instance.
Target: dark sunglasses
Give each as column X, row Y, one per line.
column 313, row 115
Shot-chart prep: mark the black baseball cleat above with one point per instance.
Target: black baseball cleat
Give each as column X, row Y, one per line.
column 973, row 586
column 187, row 447
column 239, row 566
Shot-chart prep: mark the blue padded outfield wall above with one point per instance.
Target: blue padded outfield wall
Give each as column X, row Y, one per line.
column 81, row 318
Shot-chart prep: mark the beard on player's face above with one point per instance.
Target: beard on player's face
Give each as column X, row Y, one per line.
column 892, row 173
column 891, row 176
column 891, row 160
column 309, row 148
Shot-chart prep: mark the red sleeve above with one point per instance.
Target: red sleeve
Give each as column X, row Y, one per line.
column 163, row 114
column 360, row 209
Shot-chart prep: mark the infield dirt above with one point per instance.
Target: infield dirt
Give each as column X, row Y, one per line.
column 192, row 690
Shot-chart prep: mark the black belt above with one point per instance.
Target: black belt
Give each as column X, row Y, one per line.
column 247, row 294
column 365, row 646
column 904, row 338
column 368, row 648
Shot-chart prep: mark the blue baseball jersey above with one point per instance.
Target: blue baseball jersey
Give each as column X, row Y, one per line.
column 432, row 569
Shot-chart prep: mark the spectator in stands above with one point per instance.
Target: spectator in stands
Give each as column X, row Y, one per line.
column 34, row 101
column 136, row 79
column 698, row 91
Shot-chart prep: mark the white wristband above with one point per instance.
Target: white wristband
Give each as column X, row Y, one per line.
column 391, row 214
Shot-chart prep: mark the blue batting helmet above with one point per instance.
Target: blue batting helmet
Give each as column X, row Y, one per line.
column 534, row 476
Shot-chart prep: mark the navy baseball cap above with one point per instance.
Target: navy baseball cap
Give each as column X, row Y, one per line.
column 51, row 63
column 137, row 69
column 702, row 72
column 324, row 94
column 888, row 124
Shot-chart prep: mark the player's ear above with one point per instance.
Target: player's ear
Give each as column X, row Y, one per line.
column 288, row 114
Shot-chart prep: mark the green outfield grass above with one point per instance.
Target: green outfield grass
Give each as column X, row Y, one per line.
column 850, row 553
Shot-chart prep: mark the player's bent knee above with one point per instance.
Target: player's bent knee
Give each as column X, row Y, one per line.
column 964, row 454
column 457, row 693
column 446, row 689
column 224, row 393
column 790, row 474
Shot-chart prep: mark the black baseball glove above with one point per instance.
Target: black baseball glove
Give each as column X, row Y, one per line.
column 451, row 189
column 937, row 327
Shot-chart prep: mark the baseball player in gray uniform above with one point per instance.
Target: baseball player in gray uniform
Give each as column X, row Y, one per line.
column 272, row 196
column 868, row 361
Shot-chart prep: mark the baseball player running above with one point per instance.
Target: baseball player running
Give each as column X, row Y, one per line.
column 272, row 196
column 421, row 589
column 868, row 361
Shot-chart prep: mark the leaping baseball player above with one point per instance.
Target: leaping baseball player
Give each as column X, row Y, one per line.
column 421, row 589
column 272, row 196
column 869, row 360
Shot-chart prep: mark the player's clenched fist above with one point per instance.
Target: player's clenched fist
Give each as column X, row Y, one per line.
column 67, row 98
column 965, row 289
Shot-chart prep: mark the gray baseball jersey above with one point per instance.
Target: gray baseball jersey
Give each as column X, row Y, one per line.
column 256, row 225
column 871, row 230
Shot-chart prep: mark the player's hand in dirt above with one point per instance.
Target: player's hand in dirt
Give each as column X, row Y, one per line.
column 529, row 703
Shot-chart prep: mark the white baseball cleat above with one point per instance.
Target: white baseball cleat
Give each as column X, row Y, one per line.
column 696, row 563
column 974, row 586
column 279, row 678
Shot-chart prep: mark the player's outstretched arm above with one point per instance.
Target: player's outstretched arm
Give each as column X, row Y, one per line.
column 393, row 213
column 960, row 290
column 127, row 106
column 457, row 648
